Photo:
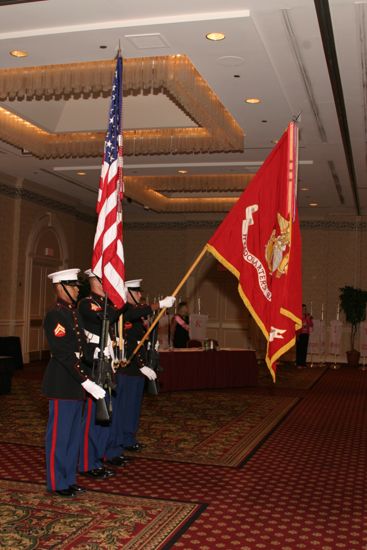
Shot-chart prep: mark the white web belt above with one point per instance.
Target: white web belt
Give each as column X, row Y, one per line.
column 95, row 339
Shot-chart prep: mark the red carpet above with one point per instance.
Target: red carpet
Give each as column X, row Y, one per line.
column 303, row 488
column 209, row 427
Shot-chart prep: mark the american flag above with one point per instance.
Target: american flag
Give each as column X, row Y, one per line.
column 108, row 252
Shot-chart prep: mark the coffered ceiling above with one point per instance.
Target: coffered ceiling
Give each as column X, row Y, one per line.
column 299, row 57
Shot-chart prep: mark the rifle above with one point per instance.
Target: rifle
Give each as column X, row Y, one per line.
column 103, row 374
column 153, row 361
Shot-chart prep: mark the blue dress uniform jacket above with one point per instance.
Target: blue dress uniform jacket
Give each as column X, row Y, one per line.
column 131, row 380
column 91, row 309
column 134, row 330
column 71, row 357
column 97, row 440
column 68, row 368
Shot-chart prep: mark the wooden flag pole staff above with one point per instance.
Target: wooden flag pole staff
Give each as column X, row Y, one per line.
column 121, row 338
column 162, row 312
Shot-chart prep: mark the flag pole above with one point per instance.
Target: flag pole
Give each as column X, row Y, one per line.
column 121, row 338
column 174, row 293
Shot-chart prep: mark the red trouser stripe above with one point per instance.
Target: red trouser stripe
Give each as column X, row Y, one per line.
column 53, row 444
column 86, row 434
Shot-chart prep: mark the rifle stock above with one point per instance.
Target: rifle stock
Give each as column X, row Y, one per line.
column 102, row 414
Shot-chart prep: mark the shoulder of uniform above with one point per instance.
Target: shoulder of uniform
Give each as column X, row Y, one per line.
column 83, row 302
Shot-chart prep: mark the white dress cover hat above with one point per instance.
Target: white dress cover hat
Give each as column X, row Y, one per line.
column 134, row 284
column 66, row 275
column 89, row 273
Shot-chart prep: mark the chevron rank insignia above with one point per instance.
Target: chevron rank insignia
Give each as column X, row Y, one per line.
column 59, row 331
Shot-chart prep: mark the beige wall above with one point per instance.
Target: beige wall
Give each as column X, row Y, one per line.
column 159, row 252
column 27, row 213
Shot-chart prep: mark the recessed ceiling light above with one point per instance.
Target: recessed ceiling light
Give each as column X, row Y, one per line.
column 18, row 53
column 305, row 189
column 313, row 204
column 81, row 173
column 215, row 36
column 103, row 46
column 182, row 171
column 230, row 60
column 253, row 100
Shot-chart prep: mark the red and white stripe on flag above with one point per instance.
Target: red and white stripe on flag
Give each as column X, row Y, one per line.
column 108, row 253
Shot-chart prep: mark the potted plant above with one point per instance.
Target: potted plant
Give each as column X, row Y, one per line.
column 353, row 302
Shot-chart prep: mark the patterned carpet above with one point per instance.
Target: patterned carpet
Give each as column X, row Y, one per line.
column 289, row 377
column 205, row 427
column 209, row 427
column 32, row 518
column 302, row 488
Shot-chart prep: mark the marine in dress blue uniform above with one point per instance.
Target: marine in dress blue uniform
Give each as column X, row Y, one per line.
column 132, row 376
column 98, row 441
column 65, row 383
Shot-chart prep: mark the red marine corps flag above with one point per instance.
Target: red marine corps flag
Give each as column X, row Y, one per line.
column 108, row 252
column 259, row 242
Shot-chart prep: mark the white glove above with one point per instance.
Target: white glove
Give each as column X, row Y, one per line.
column 149, row 373
column 156, row 347
column 168, row 301
column 106, row 352
column 91, row 387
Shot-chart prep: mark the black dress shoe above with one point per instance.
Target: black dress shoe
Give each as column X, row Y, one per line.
column 77, row 489
column 108, row 473
column 103, row 472
column 98, row 473
column 136, row 447
column 66, row 492
column 117, row 461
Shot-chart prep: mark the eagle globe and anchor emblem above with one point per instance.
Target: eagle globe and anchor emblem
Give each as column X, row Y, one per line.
column 277, row 248
column 276, row 256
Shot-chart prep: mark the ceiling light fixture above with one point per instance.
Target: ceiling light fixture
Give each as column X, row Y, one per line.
column 215, row 36
column 182, row 171
column 217, row 130
column 81, row 173
column 252, row 100
column 18, row 53
column 305, row 189
column 313, row 204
